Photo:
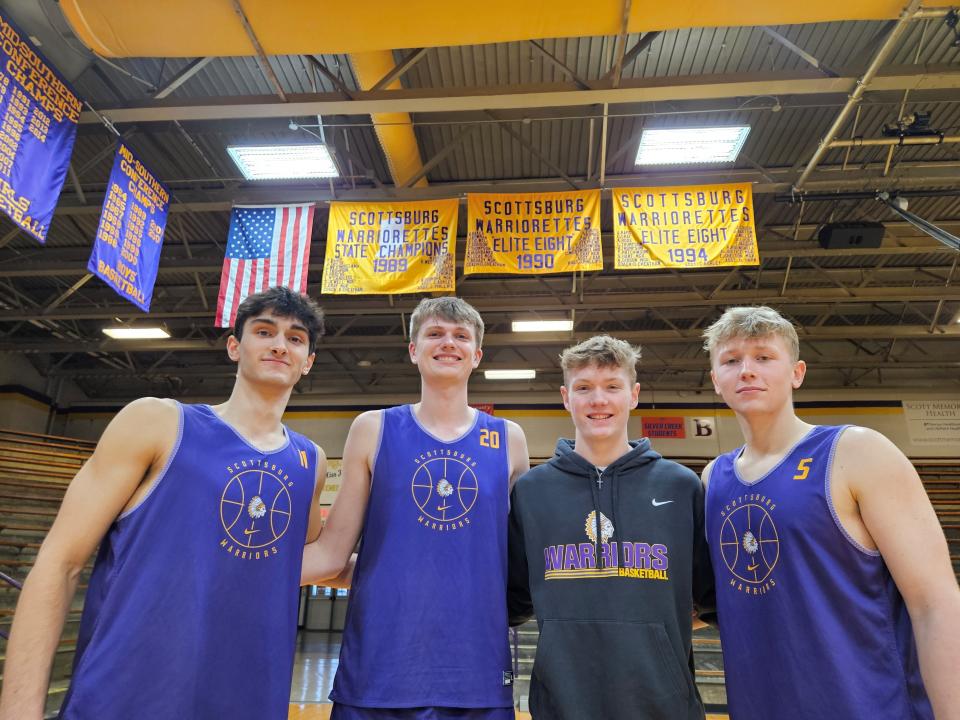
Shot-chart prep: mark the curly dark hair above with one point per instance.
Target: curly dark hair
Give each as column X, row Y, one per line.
column 282, row 302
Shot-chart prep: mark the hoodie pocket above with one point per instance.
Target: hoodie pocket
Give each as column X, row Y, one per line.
column 610, row 670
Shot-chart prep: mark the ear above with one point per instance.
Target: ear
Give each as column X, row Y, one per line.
column 799, row 373
column 233, row 348
column 476, row 358
column 566, row 399
column 412, row 349
column 713, row 379
column 309, row 363
column 635, row 395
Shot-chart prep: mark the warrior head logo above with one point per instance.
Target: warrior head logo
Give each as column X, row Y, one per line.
column 606, row 527
column 749, row 543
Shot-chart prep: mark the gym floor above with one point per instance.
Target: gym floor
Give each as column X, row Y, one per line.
column 317, row 657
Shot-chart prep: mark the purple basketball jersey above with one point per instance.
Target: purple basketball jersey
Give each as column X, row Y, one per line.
column 811, row 623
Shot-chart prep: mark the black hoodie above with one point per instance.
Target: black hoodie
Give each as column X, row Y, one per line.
column 614, row 636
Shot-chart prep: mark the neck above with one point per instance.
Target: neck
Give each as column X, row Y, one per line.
column 255, row 411
column 772, row 433
column 601, row 452
column 443, row 406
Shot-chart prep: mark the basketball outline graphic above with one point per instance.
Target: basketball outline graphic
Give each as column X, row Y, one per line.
column 754, row 533
column 258, row 503
column 445, row 478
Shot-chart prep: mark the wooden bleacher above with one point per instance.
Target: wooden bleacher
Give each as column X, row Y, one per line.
column 34, row 472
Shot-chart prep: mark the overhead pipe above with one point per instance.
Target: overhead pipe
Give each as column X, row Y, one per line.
column 120, row 28
column 896, row 140
column 394, row 130
column 908, row 15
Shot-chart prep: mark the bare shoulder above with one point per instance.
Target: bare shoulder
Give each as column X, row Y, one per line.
column 514, row 431
column 367, row 421
column 321, row 455
column 705, row 475
column 861, row 445
column 866, row 458
column 146, row 422
column 363, row 436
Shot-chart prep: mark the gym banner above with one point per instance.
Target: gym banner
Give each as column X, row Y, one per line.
column 386, row 248
column 536, row 233
column 126, row 248
column 38, row 124
column 693, row 226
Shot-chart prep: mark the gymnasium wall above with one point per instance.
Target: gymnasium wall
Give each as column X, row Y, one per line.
column 930, row 430
column 25, row 396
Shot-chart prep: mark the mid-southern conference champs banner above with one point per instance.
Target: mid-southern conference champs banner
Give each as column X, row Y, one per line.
column 533, row 233
column 385, row 248
column 684, row 227
column 126, row 248
column 38, row 124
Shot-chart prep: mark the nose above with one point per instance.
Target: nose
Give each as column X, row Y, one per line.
column 597, row 398
column 279, row 345
column 746, row 368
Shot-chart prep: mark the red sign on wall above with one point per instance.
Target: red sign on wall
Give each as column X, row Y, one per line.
column 483, row 407
column 664, row 427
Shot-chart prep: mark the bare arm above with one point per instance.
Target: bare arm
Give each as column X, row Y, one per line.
column 315, row 523
column 125, row 458
column 517, row 448
column 900, row 520
column 329, row 556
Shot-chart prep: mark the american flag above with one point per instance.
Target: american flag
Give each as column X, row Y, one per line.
column 266, row 247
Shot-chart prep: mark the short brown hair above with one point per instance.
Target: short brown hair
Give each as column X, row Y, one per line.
column 751, row 322
column 602, row 351
column 449, row 308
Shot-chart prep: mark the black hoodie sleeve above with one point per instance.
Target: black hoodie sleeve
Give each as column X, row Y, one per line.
column 704, row 588
column 519, row 603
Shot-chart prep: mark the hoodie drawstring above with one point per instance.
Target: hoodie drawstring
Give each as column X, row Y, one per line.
column 597, row 528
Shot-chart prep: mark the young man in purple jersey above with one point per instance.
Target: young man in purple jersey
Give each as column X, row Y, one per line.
column 613, row 599
column 835, row 593
column 201, row 514
column 428, row 486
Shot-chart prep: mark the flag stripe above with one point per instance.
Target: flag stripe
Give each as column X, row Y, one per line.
column 296, row 249
column 267, row 246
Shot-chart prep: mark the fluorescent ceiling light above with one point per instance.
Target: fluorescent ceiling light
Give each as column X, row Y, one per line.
column 542, row 325
column 138, row 333
column 283, row 162
column 660, row 146
column 509, row 374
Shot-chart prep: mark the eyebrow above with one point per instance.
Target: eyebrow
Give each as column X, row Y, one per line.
column 270, row 321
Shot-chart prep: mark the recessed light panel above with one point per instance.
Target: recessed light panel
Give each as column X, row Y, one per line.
column 679, row 146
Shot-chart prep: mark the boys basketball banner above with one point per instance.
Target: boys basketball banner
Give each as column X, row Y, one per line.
column 386, row 248
column 126, row 248
column 684, row 227
column 538, row 233
column 38, row 124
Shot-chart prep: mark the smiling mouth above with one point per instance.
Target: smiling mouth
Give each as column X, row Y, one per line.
column 600, row 416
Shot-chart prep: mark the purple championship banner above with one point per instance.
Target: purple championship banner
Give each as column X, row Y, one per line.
column 126, row 249
column 38, row 124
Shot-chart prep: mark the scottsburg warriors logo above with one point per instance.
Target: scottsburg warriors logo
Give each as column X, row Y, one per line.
column 749, row 543
column 445, row 489
column 255, row 509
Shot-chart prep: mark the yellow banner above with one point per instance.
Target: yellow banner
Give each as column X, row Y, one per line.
column 693, row 226
column 386, row 248
column 533, row 233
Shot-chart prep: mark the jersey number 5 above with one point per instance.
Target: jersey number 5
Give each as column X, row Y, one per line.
column 803, row 469
column 490, row 439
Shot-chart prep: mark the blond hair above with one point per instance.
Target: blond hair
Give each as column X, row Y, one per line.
column 451, row 309
column 602, row 351
column 751, row 322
